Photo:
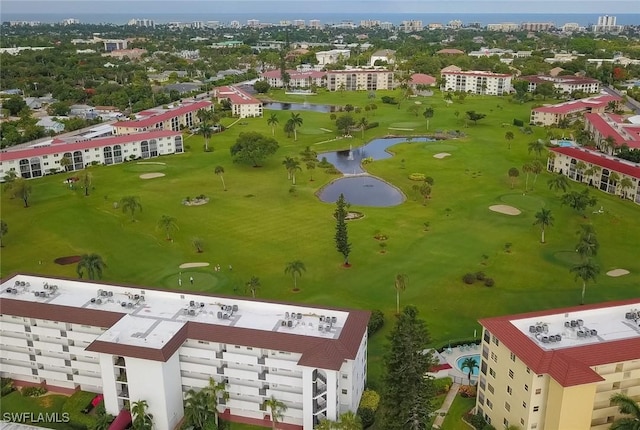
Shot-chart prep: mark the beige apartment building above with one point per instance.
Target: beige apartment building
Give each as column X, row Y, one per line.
column 557, row 369
column 360, row 79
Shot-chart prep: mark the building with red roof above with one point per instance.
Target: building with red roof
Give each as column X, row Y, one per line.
column 243, row 104
column 558, row 369
column 297, row 79
column 597, row 170
column 603, row 126
column 129, row 343
column 450, row 51
column 421, row 79
column 175, row 118
column 48, row 158
column 570, row 110
column 564, row 84
column 476, row 82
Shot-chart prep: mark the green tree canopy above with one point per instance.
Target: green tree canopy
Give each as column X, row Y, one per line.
column 253, row 148
column 342, row 236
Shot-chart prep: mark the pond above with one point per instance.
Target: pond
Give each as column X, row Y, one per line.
column 360, row 188
column 299, row 106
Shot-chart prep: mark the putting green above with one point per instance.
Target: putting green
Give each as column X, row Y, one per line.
column 203, row 280
column 409, row 124
column 142, row 168
column 568, row 258
column 527, row 202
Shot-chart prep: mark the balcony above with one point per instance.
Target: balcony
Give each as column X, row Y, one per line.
column 263, row 375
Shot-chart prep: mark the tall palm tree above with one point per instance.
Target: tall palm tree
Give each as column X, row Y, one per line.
column 131, row 204
column 65, row 163
column 543, row 219
column 581, row 167
column 527, row 168
column 219, row 170
column 469, row 363
column 92, row 264
column 196, row 409
column 296, row 121
column 215, row 391
column 608, row 144
column 167, row 224
column 536, row 169
column 587, row 247
column 273, row 121
column 536, row 146
column 428, row 114
column 141, row 419
column 614, row 179
column 363, row 125
column 293, row 167
column 400, row 284
column 206, row 131
column 587, row 271
column 295, row 269
column 277, row 409
column 349, row 421
column 253, row 285
column 86, row 181
column 287, row 162
column 509, row 137
column 559, row 182
column 311, row 166
column 626, row 405
column 624, row 184
column 513, row 174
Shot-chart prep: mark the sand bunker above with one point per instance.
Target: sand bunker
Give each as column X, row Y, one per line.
column 191, row 265
column 617, row 272
column 442, row 155
column 151, row 175
column 505, row 209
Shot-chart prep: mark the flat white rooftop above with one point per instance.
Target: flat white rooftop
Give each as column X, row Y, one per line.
column 152, row 317
column 565, row 330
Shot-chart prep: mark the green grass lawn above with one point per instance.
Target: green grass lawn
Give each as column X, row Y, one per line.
column 15, row 403
column 459, row 407
column 258, row 225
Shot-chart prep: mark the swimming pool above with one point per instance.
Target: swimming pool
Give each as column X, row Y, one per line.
column 461, row 360
column 566, row 143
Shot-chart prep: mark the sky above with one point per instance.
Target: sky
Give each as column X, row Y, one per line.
column 78, row 7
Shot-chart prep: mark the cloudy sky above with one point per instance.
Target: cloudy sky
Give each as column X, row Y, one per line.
column 315, row 6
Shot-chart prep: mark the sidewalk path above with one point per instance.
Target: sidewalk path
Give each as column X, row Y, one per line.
column 444, row 409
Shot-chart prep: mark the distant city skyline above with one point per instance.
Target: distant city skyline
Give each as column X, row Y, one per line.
column 155, row 7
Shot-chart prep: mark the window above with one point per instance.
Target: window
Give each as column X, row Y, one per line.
column 528, row 370
column 522, row 421
column 344, row 391
column 494, row 357
column 534, row 426
column 489, row 404
column 526, row 387
column 509, row 390
column 513, row 357
column 510, row 373
column 538, row 390
column 490, row 387
column 536, row 408
column 524, row 405
column 507, row 406
column 492, row 372
column 345, row 376
column 495, row 340
column 506, row 422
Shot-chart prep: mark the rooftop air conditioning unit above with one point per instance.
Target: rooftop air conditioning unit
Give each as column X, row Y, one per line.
column 235, row 308
column 192, row 312
column 98, row 301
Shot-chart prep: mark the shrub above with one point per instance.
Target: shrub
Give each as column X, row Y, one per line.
column 367, row 416
column 389, row 100
column 518, row 122
column 333, row 171
column 489, row 282
column 417, row 176
column 469, row 278
column 378, row 235
column 7, row 386
column 373, row 124
column 33, row 391
column 442, row 385
column 375, row 322
column 324, row 163
column 467, row 391
column 477, row 421
column 370, row 400
column 74, row 406
column 480, row 276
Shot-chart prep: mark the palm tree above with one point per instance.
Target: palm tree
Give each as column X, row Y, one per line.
column 215, row 391
column 509, row 137
column 141, row 419
column 196, row 409
column 536, row 169
column 206, row 131
column 198, row 244
column 513, row 174
column 428, row 114
column 349, row 421
column 21, row 188
column 86, row 181
column 277, row 409
column 624, row 184
column 253, row 285
column 219, row 170
column 536, row 146
column 294, row 166
column 626, row 405
column 103, row 421
column 273, row 121
column 131, row 204
column 363, row 125
column 527, row 168
column 587, row 247
column 65, row 163
column 608, row 144
column 581, row 167
column 92, row 264
column 4, row 229
column 469, row 363
column 327, row 425
column 544, row 219
column 295, row 268
column 311, row 165
column 614, row 179
column 400, row 285
column 587, row 271
column 168, row 224
column 296, row 121
column 559, row 182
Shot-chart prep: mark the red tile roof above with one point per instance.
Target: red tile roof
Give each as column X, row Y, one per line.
column 422, row 79
column 600, row 160
column 155, row 117
column 236, row 96
column 476, row 73
column 606, row 129
column 579, row 105
column 59, row 145
column 450, row 51
column 569, row 366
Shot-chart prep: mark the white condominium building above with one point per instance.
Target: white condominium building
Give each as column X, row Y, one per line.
column 476, row 82
column 134, row 343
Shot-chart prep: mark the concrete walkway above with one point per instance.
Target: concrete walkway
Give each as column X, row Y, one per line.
column 444, row 409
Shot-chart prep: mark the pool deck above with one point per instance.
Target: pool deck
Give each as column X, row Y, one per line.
column 450, row 356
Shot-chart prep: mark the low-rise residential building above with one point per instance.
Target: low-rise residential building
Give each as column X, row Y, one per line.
column 297, row 79
column 50, row 124
column 115, row 44
column 411, row 26
column 421, row 80
column 174, row 118
column 131, row 54
column 69, row 334
column 571, row 110
column 605, row 127
column 537, row 26
column 243, row 104
column 597, row 170
column 503, row 26
column 564, row 84
column 384, row 55
column 46, row 158
column 557, row 369
column 360, row 79
column 332, row 56
column 561, row 57
column 476, row 82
